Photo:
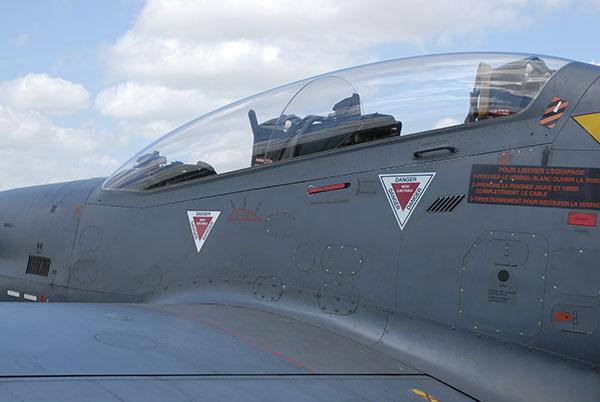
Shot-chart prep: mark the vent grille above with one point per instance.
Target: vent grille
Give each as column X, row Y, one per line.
column 38, row 265
column 446, row 203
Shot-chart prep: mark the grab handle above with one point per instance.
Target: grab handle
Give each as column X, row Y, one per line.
column 419, row 154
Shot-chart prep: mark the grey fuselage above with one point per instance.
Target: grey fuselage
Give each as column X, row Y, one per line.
column 429, row 294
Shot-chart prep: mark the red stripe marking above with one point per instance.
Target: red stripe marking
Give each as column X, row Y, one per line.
column 251, row 342
column 551, row 118
column 322, row 189
column 551, row 125
column 582, row 219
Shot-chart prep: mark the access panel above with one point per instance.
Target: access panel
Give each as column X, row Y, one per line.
column 502, row 283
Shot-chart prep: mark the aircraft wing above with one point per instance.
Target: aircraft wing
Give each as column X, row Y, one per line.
column 145, row 352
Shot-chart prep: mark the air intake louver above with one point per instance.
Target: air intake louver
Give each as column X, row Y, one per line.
column 38, row 265
column 446, row 203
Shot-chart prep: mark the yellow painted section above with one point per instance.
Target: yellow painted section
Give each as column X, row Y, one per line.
column 591, row 124
column 425, row 395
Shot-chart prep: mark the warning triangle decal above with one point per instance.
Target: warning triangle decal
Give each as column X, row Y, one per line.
column 201, row 223
column 404, row 191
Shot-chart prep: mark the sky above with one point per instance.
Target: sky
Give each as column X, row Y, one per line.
column 84, row 85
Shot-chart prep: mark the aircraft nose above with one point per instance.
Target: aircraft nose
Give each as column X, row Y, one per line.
column 15, row 226
column 37, row 228
column 14, row 212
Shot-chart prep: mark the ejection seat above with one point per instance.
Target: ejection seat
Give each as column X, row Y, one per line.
column 290, row 136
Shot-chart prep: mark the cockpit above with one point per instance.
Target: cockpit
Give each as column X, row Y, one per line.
column 338, row 110
column 290, row 136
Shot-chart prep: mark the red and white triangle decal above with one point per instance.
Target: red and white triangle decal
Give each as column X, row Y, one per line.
column 404, row 191
column 201, row 223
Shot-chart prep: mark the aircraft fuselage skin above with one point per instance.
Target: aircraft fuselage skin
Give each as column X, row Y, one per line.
column 483, row 283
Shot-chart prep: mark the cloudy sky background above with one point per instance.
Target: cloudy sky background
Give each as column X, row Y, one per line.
column 85, row 85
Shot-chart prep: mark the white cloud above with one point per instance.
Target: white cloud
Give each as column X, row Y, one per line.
column 593, row 3
column 134, row 131
column 595, row 62
column 446, row 122
column 35, row 167
column 21, row 40
column 26, row 130
column 135, row 101
column 35, row 150
column 235, row 48
column 42, row 93
column 98, row 161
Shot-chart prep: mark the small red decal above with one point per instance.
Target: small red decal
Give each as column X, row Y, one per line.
column 244, row 215
column 553, row 112
column 582, row 219
column 404, row 192
column 562, row 316
column 505, row 158
column 331, row 187
column 201, row 223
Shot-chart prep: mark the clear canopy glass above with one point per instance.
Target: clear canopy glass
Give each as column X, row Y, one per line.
column 340, row 109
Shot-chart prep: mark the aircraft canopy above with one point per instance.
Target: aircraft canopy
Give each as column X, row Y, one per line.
column 340, row 109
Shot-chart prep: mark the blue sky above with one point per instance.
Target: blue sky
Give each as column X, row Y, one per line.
column 84, row 85
column 61, row 37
